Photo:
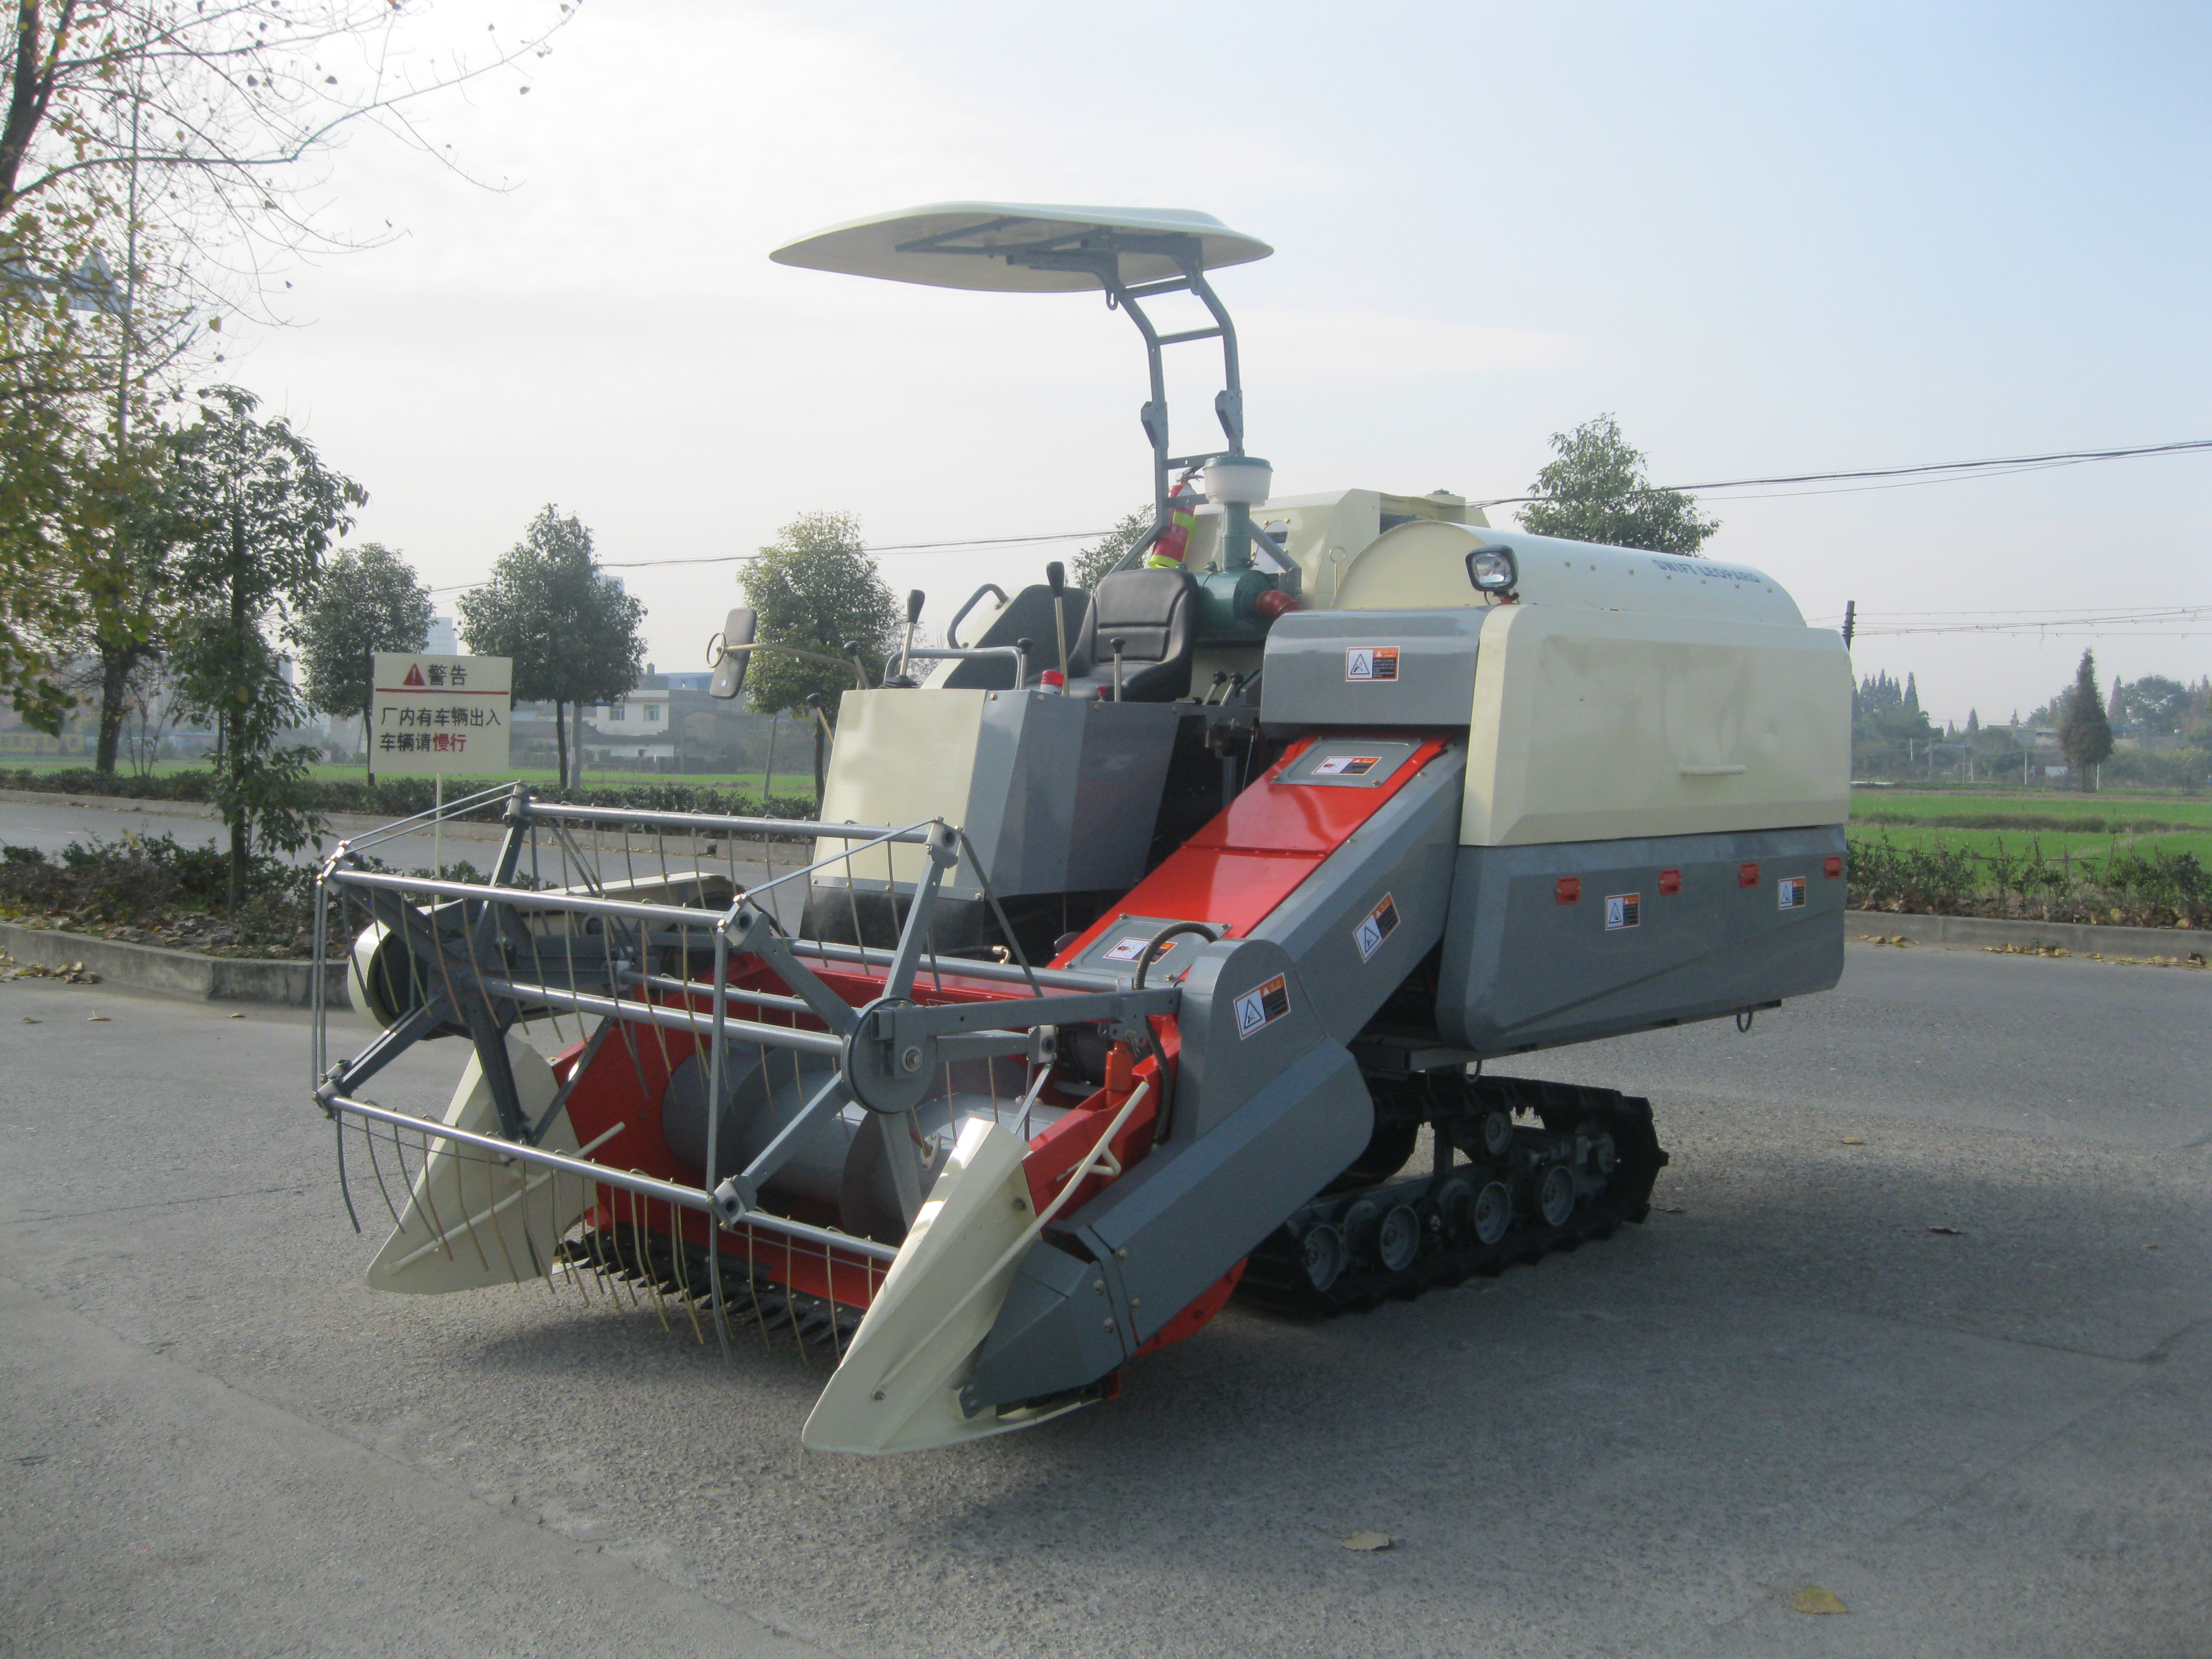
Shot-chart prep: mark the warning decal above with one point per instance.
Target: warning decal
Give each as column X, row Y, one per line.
column 1623, row 910
column 1366, row 663
column 1347, row 766
column 1130, row 949
column 1790, row 889
column 1374, row 926
column 1258, row 1009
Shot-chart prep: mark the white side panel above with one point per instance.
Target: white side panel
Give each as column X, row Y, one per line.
column 1601, row 725
column 901, row 757
column 471, row 1221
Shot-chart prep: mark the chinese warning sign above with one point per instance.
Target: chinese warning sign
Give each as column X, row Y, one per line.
column 435, row 714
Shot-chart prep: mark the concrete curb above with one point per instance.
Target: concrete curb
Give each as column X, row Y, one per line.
column 2079, row 936
column 177, row 973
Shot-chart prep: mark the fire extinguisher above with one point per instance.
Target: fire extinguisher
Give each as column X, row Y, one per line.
column 1175, row 541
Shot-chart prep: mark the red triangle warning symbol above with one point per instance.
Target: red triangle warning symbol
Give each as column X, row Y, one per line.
column 414, row 674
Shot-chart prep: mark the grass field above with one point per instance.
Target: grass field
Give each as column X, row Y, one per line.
column 2039, row 809
column 2079, row 831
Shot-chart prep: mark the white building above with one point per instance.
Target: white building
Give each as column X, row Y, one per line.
column 636, row 728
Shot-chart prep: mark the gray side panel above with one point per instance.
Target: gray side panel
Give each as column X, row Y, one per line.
column 1267, row 1109
column 1523, row 971
column 1185, row 1215
column 1247, row 1014
column 1063, row 798
column 1056, row 1331
column 1120, row 777
column 1404, row 854
column 1412, row 668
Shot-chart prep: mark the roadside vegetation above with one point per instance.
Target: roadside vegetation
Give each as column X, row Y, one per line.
column 344, row 789
column 155, row 890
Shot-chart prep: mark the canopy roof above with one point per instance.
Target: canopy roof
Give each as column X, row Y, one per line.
column 1016, row 247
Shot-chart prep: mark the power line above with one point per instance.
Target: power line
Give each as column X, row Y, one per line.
column 1929, row 472
column 890, row 547
column 2141, row 622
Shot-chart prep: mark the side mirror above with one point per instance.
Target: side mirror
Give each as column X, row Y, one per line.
column 729, row 651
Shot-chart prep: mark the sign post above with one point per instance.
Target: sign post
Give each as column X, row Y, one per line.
column 435, row 715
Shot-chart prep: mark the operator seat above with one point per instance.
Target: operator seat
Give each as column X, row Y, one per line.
column 1154, row 613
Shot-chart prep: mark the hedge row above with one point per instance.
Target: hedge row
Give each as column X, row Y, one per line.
column 399, row 798
column 2143, row 888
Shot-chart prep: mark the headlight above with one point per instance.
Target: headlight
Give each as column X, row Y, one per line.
column 1492, row 569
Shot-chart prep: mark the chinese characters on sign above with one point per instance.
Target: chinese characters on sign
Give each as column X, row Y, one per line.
column 435, row 714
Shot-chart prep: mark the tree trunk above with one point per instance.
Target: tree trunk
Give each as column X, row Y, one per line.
column 561, row 744
column 115, row 666
column 820, row 767
column 368, row 740
column 233, row 756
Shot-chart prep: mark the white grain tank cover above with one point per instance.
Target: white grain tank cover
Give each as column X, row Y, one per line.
column 1631, row 694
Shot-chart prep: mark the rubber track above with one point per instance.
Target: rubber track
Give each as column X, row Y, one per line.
column 1275, row 1279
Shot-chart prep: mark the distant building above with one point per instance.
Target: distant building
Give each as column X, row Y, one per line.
column 442, row 641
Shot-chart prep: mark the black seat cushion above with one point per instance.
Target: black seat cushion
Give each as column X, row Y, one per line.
column 1154, row 613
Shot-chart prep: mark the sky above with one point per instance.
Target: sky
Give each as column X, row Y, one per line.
column 1769, row 240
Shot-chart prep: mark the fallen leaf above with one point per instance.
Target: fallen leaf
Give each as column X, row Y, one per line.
column 238, row 1016
column 1850, row 1140
column 94, row 1019
column 27, row 1020
column 1953, row 1232
column 1814, row 1599
column 1669, row 1209
column 1365, row 1542
column 2150, row 1246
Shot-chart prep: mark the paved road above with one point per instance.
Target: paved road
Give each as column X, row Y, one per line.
column 51, row 823
column 214, row 1441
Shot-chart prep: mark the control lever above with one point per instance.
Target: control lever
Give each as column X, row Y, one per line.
column 1056, row 578
column 913, row 603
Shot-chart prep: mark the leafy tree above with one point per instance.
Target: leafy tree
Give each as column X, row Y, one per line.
column 369, row 600
column 158, row 162
column 2155, row 704
column 816, row 589
column 1099, row 558
column 574, row 635
column 1597, row 492
column 256, row 510
column 2084, row 731
column 1888, row 727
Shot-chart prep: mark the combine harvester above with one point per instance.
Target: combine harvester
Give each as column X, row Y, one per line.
column 1141, row 939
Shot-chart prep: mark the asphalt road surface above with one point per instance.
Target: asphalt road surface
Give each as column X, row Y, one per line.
column 1991, row 1441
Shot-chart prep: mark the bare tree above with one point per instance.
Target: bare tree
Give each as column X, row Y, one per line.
column 160, row 161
